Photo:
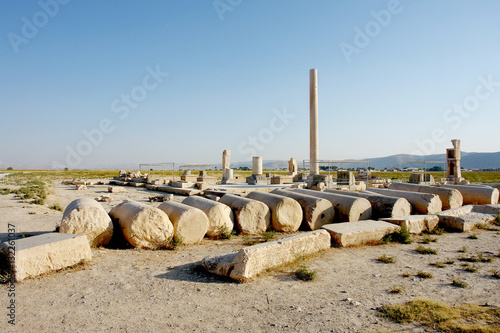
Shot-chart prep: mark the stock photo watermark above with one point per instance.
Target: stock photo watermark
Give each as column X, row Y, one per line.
column 223, row 6
column 31, row 26
column 122, row 107
column 455, row 115
column 11, row 286
column 364, row 36
column 254, row 143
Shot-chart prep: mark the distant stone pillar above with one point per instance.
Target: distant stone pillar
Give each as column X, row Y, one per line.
column 292, row 167
column 257, row 165
column 453, row 157
column 313, row 122
column 226, row 164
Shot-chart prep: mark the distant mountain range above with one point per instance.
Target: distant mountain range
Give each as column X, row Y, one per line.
column 469, row 161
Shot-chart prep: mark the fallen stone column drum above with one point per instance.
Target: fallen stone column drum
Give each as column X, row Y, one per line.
column 347, row 208
column 87, row 217
column 476, row 195
column 190, row 223
column 382, row 206
column 424, row 203
column 450, row 198
column 220, row 216
column 252, row 217
column 316, row 211
column 143, row 226
column 286, row 213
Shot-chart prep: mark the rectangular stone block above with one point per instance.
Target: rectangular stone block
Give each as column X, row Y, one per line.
column 189, row 178
column 415, row 224
column 466, row 218
column 250, row 261
column 282, row 180
column 359, row 232
column 182, row 184
column 33, row 256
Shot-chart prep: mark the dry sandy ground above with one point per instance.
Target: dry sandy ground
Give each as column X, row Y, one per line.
column 164, row 291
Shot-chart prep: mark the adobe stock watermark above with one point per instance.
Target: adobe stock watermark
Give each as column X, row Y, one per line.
column 223, row 6
column 122, row 107
column 454, row 116
column 254, row 143
column 30, row 27
column 11, row 285
column 363, row 37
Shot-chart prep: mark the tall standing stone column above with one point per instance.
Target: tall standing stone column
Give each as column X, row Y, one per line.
column 226, row 162
column 313, row 122
column 257, row 165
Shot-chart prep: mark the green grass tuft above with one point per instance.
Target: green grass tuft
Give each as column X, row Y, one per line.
column 425, row 250
column 386, row 260
column 402, row 236
column 459, row 283
column 424, row 275
column 304, row 274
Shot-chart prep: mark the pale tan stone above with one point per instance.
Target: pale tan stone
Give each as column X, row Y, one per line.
column 220, row 216
column 286, row 213
column 252, row 217
column 190, row 223
column 360, row 232
column 36, row 255
column 143, row 226
column 249, row 262
column 450, row 198
column 476, row 195
column 415, row 224
column 347, row 208
column 424, row 203
column 316, row 211
column 85, row 216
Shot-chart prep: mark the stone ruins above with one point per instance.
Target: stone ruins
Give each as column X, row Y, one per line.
column 316, row 209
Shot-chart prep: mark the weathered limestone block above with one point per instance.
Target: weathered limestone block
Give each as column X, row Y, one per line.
column 113, row 189
column 80, row 187
column 33, row 256
column 347, row 209
column 286, row 213
column 415, row 224
column 281, row 180
column 466, row 218
column 316, row 211
column 382, row 206
column 476, row 195
column 250, row 261
column 190, row 223
column 87, row 217
column 450, row 198
column 424, row 203
column 252, row 217
column 360, row 232
column 143, row 226
column 220, row 216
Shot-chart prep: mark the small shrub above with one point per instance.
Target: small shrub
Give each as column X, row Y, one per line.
column 449, row 261
column 406, row 274
column 175, row 243
column 438, row 264
column 495, row 273
column 31, row 213
column 437, row 231
column 269, row 235
column 425, row 250
column 478, row 258
column 304, row 274
column 224, row 233
column 428, row 239
column 459, row 283
column 56, row 207
column 397, row 289
column 4, row 191
column 247, row 240
column 402, row 236
column 424, row 275
column 471, row 269
column 473, row 236
column 497, row 220
column 386, row 260
column 463, row 249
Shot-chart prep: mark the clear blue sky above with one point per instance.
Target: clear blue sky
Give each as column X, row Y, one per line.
column 394, row 77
